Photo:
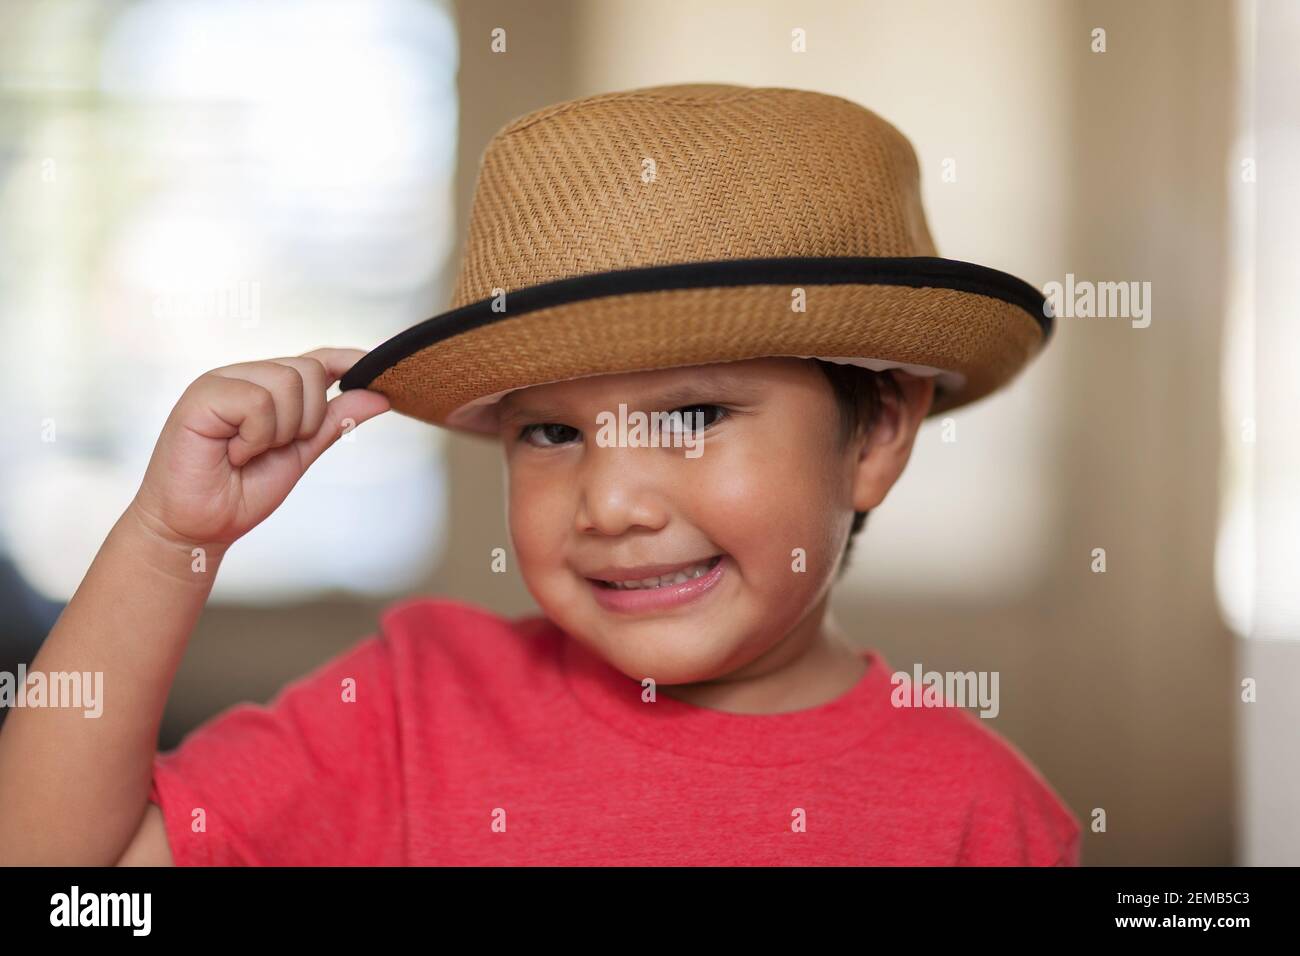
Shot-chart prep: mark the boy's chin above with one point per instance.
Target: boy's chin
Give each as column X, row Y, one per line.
column 668, row 670
column 670, row 652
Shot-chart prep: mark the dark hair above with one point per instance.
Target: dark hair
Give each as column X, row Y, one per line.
column 858, row 395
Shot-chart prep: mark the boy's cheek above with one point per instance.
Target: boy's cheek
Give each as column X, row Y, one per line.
column 795, row 548
column 733, row 494
column 535, row 511
column 762, row 506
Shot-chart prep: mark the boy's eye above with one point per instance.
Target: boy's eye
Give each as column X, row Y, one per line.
column 550, row 434
column 689, row 413
column 553, row 433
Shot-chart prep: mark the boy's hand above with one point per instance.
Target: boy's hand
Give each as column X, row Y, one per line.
column 240, row 438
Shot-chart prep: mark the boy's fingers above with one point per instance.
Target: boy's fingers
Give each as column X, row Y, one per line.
column 313, row 392
column 257, row 429
column 342, row 414
column 333, row 363
column 336, row 361
column 243, row 413
column 286, row 386
column 296, row 387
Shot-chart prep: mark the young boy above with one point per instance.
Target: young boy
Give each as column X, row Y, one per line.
column 749, row 271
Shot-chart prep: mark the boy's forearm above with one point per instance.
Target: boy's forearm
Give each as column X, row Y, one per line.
column 73, row 788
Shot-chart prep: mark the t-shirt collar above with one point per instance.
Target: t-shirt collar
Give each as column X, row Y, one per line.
column 690, row 730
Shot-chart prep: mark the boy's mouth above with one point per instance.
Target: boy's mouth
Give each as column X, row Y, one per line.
column 653, row 577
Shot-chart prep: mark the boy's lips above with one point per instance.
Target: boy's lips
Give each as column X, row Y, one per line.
column 659, row 598
column 644, row 571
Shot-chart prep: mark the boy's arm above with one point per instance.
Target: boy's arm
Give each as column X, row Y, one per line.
column 73, row 787
column 149, row 846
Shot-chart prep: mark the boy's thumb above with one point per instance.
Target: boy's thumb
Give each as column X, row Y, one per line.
column 343, row 413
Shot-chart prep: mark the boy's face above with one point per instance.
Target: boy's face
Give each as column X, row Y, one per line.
column 768, row 491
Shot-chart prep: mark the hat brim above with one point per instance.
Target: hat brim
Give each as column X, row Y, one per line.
column 972, row 327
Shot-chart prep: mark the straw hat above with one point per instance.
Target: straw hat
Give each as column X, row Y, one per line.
column 698, row 223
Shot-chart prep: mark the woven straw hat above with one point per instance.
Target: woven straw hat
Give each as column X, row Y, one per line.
column 686, row 225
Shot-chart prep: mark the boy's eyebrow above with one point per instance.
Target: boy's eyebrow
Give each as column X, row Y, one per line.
column 673, row 396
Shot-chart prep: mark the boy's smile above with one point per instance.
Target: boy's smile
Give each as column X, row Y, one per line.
column 655, row 587
column 692, row 570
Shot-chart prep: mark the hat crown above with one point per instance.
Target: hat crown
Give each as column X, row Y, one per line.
column 687, row 173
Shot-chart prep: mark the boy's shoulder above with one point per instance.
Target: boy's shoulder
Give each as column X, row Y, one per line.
column 466, row 639
column 952, row 752
column 423, row 613
column 424, row 616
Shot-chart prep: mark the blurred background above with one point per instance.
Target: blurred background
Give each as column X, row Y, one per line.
column 184, row 185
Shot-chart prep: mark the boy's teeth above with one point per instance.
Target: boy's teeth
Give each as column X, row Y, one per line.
column 677, row 577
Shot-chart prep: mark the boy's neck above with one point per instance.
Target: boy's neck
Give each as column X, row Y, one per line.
column 813, row 665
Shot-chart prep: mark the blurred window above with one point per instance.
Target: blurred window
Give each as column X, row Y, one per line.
column 184, row 185
column 1257, row 563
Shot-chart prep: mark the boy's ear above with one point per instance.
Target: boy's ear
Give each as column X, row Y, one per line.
column 884, row 451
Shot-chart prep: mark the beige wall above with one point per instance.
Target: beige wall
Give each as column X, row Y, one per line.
column 1118, row 686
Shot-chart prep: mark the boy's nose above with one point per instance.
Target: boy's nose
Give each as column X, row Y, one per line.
column 620, row 489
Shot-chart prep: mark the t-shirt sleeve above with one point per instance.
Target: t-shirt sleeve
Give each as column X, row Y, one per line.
column 1019, row 820
column 310, row 779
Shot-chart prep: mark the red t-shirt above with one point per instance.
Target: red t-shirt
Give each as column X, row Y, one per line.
column 456, row 736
